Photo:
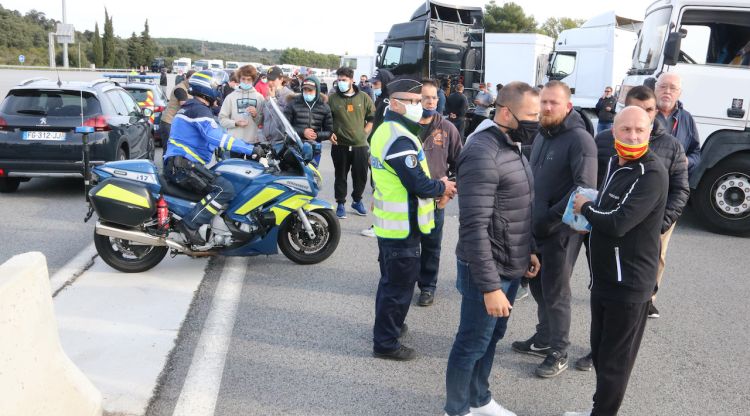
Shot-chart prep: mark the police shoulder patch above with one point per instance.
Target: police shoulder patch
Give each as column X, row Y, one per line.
column 411, row 161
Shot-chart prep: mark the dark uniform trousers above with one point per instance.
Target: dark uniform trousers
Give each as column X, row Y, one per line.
column 399, row 271
column 196, row 178
column 551, row 290
column 430, row 258
column 616, row 334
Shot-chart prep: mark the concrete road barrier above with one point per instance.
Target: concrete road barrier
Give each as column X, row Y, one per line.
column 36, row 377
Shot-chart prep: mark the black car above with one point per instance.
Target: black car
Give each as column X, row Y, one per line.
column 37, row 129
column 149, row 96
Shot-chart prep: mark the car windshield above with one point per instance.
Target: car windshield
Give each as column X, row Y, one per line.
column 140, row 95
column 648, row 49
column 50, row 103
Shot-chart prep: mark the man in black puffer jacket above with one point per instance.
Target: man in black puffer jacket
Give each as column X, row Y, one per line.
column 563, row 158
column 624, row 244
column 310, row 115
column 495, row 247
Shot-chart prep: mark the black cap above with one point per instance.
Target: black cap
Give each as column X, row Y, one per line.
column 404, row 85
column 274, row 73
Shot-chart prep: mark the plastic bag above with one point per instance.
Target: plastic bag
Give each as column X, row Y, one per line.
column 576, row 221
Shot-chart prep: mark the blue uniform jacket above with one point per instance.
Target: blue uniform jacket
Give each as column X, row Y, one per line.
column 195, row 135
column 414, row 179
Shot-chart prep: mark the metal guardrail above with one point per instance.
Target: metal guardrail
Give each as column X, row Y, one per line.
column 76, row 69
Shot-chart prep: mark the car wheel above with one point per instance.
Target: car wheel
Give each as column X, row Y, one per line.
column 8, row 185
column 723, row 196
column 121, row 154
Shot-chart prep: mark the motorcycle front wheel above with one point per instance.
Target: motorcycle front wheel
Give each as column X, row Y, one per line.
column 126, row 256
column 297, row 245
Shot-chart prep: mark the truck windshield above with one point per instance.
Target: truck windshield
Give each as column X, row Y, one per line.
column 563, row 64
column 648, row 49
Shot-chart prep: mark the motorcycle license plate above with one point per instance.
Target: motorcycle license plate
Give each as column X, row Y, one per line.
column 44, row 135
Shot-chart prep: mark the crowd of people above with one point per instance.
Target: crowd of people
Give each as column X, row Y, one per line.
column 517, row 171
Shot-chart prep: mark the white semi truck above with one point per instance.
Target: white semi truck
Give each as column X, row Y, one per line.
column 592, row 57
column 528, row 52
column 707, row 43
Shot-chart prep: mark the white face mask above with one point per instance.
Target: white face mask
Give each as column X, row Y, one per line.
column 413, row 111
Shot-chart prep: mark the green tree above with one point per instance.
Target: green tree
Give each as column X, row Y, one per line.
column 96, row 44
column 148, row 47
column 135, row 56
column 108, row 42
column 510, row 18
column 553, row 26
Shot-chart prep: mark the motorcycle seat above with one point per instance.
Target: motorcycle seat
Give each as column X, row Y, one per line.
column 168, row 188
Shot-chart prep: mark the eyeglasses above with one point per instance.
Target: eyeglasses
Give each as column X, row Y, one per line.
column 668, row 87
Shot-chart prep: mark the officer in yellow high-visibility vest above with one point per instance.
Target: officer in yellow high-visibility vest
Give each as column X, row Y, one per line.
column 404, row 208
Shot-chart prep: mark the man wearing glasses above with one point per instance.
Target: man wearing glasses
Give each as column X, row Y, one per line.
column 605, row 110
column 675, row 119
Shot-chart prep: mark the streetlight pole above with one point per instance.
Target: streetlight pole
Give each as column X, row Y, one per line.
column 65, row 44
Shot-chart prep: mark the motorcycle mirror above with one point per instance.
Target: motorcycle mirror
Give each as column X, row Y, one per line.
column 147, row 112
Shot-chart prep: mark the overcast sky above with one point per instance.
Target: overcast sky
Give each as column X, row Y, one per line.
column 329, row 26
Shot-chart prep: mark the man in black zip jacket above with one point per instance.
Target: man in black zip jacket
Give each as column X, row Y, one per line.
column 563, row 157
column 624, row 246
column 310, row 115
column 669, row 150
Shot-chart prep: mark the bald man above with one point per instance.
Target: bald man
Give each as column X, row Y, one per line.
column 678, row 122
column 624, row 246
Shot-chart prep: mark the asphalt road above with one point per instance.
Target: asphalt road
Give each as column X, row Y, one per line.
column 301, row 342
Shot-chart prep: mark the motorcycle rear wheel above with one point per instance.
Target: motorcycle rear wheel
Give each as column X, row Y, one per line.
column 127, row 257
column 298, row 247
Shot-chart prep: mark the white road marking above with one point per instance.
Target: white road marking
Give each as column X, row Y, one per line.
column 201, row 388
column 73, row 268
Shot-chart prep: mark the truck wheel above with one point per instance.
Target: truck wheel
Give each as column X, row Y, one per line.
column 8, row 185
column 723, row 196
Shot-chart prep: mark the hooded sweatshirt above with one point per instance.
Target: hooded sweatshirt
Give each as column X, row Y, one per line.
column 562, row 159
column 442, row 145
column 235, row 107
column 314, row 115
column 350, row 114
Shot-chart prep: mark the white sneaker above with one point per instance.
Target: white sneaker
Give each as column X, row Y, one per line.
column 468, row 414
column 492, row 408
column 577, row 414
column 368, row 232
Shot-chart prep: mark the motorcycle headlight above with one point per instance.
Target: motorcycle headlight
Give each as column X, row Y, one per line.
column 316, row 176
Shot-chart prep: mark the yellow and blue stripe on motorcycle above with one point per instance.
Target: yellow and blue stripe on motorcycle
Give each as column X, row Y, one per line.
column 117, row 193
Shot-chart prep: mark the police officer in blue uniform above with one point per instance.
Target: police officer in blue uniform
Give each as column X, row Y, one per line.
column 404, row 206
column 194, row 136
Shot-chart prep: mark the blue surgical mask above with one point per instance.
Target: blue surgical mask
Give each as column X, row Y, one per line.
column 244, row 86
column 377, row 91
column 309, row 97
column 428, row 113
column 343, row 86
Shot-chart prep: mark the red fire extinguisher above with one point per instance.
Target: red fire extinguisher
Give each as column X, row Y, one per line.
column 162, row 213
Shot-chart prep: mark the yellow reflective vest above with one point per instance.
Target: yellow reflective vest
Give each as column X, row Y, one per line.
column 391, row 197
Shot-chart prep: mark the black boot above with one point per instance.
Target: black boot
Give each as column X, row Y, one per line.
column 193, row 236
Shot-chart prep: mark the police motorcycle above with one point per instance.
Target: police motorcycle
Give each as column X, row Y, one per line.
column 275, row 207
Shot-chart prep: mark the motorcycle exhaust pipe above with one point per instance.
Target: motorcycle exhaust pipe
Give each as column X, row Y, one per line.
column 143, row 238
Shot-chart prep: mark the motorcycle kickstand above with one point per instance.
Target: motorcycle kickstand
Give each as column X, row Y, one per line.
column 305, row 222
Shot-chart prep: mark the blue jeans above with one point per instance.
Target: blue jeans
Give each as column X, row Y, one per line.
column 603, row 125
column 473, row 352
column 430, row 259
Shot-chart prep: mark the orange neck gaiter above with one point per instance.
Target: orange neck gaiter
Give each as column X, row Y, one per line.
column 630, row 151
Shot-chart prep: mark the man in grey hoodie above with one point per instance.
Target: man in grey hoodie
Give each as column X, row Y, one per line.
column 563, row 158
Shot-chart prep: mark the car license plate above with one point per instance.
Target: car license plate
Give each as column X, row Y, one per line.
column 44, row 135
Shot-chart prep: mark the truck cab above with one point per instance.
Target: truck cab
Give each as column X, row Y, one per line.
column 593, row 56
column 708, row 44
column 438, row 41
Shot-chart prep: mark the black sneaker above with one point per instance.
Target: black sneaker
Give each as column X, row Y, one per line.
column 585, row 363
column 652, row 311
column 531, row 348
column 426, row 298
column 402, row 353
column 553, row 365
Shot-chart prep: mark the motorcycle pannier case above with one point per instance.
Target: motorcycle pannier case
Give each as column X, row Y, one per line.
column 123, row 202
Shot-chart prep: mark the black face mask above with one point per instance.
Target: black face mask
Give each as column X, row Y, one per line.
column 525, row 132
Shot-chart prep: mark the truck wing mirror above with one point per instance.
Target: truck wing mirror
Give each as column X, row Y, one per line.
column 380, row 49
column 672, row 47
